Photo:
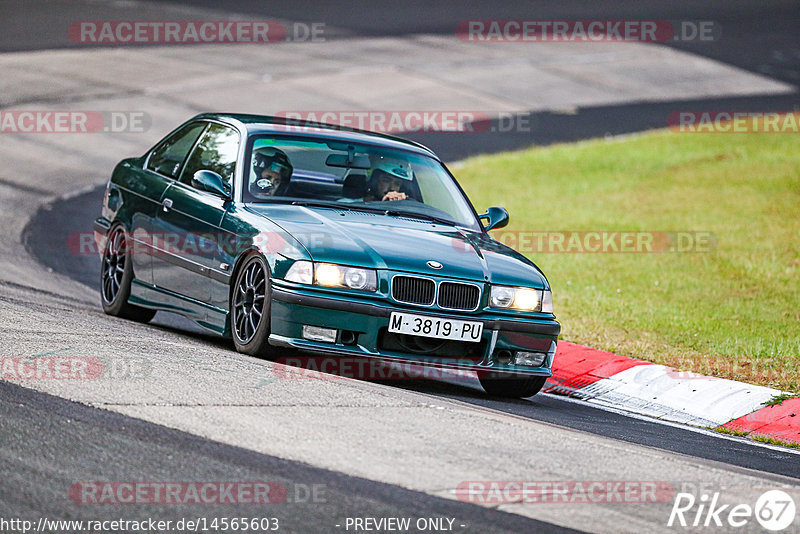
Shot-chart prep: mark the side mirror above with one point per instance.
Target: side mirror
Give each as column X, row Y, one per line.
column 213, row 183
column 497, row 216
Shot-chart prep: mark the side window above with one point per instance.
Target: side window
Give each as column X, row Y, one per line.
column 168, row 157
column 217, row 151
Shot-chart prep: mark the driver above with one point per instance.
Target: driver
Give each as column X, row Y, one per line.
column 387, row 181
column 273, row 172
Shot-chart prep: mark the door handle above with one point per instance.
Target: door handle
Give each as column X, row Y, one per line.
column 167, row 204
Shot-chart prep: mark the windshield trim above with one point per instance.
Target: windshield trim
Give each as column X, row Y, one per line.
column 365, row 209
column 253, row 137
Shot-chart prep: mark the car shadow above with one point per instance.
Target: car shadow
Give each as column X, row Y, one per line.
column 445, row 383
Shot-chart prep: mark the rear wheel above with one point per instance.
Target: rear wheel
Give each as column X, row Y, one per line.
column 250, row 306
column 511, row 385
column 115, row 278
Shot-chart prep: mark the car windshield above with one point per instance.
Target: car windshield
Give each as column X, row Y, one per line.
column 354, row 176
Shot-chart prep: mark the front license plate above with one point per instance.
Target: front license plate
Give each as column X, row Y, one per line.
column 437, row 327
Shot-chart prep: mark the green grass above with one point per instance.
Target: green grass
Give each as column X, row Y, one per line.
column 777, row 400
column 729, row 431
column 755, row 437
column 733, row 312
column 773, row 441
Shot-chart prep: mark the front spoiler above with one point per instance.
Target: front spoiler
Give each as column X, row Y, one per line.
column 319, row 348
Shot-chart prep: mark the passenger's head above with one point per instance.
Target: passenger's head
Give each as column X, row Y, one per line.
column 388, row 177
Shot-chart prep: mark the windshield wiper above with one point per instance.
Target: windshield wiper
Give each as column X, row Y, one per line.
column 335, row 205
column 417, row 215
column 317, row 204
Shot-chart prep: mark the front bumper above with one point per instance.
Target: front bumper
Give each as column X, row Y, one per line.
column 293, row 308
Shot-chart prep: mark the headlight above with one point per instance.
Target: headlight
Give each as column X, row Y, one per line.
column 521, row 298
column 332, row 275
column 502, row 297
column 328, row 274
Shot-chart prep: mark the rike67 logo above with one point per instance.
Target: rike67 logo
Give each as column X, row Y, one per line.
column 774, row 510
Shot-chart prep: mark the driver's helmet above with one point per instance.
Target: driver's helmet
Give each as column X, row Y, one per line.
column 393, row 169
column 388, row 169
column 273, row 159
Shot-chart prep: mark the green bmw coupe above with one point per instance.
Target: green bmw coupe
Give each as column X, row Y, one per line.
column 332, row 241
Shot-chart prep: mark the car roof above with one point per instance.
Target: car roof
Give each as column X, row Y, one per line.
column 267, row 124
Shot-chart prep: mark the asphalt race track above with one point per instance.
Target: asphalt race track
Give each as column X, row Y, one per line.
column 184, row 406
column 51, row 227
column 140, row 450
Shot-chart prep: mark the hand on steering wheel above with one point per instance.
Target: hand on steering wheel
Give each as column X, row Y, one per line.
column 394, row 195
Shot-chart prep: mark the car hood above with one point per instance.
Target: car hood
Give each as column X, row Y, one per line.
column 405, row 244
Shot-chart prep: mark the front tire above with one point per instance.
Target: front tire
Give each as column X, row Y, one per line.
column 250, row 308
column 116, row 273
column 510, row 385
